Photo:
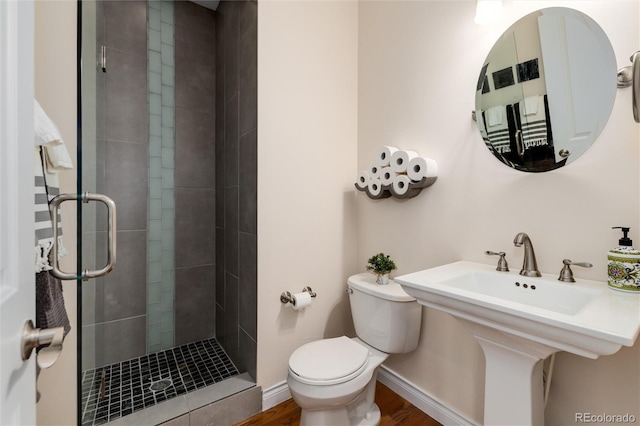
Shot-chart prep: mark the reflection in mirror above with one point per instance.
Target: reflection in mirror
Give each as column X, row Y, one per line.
column 546, row 90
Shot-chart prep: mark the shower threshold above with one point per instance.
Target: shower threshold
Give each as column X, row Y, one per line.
column 125, row 388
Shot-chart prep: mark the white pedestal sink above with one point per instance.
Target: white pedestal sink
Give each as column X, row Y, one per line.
column 520, row 321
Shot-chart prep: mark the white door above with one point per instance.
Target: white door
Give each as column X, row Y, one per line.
column 575, row 103
column 17, row 277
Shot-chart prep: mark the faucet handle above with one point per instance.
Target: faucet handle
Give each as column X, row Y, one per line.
column 566, row 274
column 502, row 262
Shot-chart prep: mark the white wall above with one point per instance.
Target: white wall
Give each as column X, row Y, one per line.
column 307, row 115
column 55, row 89
column 418, row 67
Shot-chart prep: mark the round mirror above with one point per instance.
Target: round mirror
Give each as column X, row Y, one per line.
column 546, row 90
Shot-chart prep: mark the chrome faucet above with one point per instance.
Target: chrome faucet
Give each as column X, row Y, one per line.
column 529, row 264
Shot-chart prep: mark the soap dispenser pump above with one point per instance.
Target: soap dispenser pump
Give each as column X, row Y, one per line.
column 624, row 265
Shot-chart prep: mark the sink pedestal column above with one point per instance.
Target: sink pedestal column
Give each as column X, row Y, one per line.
column 514, row 391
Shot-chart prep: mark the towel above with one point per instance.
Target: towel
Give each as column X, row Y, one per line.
column 529, row 106
column 534, row 127
column 498, row 135
column 46, row 188
column 45, row 129
column 56, row 156
column 534, row 134
column 50, row 310
column 43, row 223
column 51, row 157
column 494, row 115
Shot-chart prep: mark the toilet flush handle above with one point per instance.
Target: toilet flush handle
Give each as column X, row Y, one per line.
column 348, row 290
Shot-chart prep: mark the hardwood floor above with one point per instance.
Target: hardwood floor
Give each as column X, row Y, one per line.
column 395, row 411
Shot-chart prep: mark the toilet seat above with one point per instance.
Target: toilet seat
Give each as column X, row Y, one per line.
column 328, row 361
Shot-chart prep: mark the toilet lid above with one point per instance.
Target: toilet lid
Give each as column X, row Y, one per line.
column 329, row 361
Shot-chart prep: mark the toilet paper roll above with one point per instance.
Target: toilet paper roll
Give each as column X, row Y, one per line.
column 400, row 160
column 402, row 187
column 375, row 191
column 387, row 175
column 301, row 300
column 374, row 188
column 384, row 155
column 362, row 180
column 422, row 167
column 424, row 182
column 374, row 171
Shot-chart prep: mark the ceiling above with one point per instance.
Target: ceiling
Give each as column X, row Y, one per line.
column 209, row 4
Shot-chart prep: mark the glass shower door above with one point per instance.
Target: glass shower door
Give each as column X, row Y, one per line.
column 114, row 161
column 178, row 312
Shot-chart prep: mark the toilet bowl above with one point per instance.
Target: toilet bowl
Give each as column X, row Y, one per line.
column 331, row 393
column 333, row 380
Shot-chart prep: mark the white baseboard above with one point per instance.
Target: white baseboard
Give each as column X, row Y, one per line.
column 279, row 393
column 416, row 396
column 275, row 395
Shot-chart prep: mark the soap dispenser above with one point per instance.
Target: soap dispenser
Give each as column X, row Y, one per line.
column 624, row 265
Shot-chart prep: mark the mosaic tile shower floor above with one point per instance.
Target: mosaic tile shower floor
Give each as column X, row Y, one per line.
column 136, row 384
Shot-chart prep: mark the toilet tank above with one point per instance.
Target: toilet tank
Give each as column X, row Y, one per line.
column 384, row 316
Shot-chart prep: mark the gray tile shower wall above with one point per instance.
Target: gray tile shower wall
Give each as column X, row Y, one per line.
column 195, row 293
column 248, row 71
column 236, row 181
column 194, row 288
column 195, row 228
column 195, row 130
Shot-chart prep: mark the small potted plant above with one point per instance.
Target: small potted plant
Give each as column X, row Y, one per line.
column 381, row 264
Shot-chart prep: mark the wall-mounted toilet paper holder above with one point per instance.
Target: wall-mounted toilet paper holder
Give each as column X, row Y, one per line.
column 398, row 173
column 287, row 297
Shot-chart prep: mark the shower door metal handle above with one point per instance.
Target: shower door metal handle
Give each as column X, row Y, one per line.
column 111, row 235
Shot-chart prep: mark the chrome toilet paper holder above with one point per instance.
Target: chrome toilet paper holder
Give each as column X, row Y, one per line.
column 287, row 297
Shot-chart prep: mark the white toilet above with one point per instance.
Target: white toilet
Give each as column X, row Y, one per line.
column 333, row 380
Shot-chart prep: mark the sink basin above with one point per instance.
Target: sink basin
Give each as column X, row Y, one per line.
column 519, row 321
column 529, row 292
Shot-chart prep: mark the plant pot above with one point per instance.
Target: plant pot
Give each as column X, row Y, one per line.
column 382, row 279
